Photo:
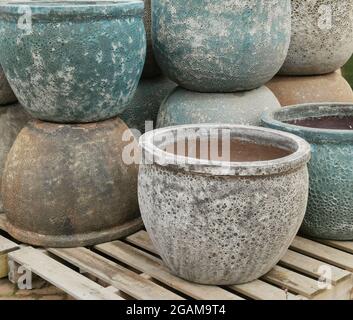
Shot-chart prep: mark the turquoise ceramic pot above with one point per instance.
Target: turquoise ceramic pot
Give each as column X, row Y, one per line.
column 73, row 61
column 221, row 46
column 330, row 208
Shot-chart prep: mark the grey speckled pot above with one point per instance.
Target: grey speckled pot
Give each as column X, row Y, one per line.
column 186, row 107
column 6, row 94
column 322, row 33
column 330, row 207
column 222, row 222
column 220, row 46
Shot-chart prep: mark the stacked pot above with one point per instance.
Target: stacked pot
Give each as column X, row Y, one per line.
column 74, row 66
column 321, row 43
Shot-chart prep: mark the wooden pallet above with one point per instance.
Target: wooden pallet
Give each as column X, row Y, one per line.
column 131, row 269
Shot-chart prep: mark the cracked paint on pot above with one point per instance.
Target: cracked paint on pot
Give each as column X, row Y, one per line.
column 6, row 94
column 322, row 32
column 73, row 61
column 186, row 107
column 220, row 46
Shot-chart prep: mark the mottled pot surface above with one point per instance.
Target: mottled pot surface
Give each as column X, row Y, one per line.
column 146, row 102
column 217, row 222
column 321, row 41
column 67, row 185
column 329, row 214
column 291, row 90
column 6, row 94
column 187, row 107
column 73, row 61
column 220, row 46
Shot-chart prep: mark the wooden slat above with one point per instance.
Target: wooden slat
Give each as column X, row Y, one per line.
column 322, row 252
column 66, row 279
column 293, row 281
column 7, row 245
column 154, row 267
column 142, row 240
column 342, row 245
column 2, row 222
column 114, row 274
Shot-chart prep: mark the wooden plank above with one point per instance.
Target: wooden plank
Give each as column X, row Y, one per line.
column 2, row 222
column 342, row 245
column 114, row 274
column 64, row 278
column 313, row 267
column 6, row 246
column 324, row 253
column 142, row 240
column 154, row 267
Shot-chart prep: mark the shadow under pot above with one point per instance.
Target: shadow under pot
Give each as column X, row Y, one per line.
column 220, row 46
column 73, row 62
column 69, row 186
column 329, row 130
column 222, row 220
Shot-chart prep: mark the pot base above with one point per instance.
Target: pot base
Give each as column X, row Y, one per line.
column 76, row 240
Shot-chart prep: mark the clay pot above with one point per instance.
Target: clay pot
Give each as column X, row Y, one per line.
column 151, row 68
column 321, row 39
column 6, row 94
column 12, row 119
column 67, row 185
column 309, row 89
column 216, row 221
column 146, row 102
column 329, row 214
column 186, row 107
column 73, row 61
column 220, row 46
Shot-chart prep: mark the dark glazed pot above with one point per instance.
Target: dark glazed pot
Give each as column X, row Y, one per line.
column 220, row 46
column 221, row 222
column 6, row 94
column 67, row 185
column 329, row 214
column 73, row 61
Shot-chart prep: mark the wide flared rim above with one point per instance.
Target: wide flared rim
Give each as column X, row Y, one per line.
column 153, row 152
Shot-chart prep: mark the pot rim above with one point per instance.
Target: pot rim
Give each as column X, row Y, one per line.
column 309, row 110
column 300, row 151
column 47, row 9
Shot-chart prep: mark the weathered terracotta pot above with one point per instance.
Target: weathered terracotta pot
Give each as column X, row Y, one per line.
column 220, row 46
column 67, row 185
column 221, row 222
column 73, row 61
column 321, row 41
column 291, row 90
column 146, row 102
column 187, row 107
column 6, row 94
column 329, row 213
column 12, row 119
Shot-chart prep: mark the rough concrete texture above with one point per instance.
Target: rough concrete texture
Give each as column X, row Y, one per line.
column 79, row 62
column 145, row 104
column 329, row 214
column 223, row 223
column 67, row 185
column 6, row 94
column 321, row 39
column 12, row 119
column 220, row 46
column 186, row 107
column 292, row 90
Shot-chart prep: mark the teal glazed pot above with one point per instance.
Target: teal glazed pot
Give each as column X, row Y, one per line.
column 73, row 61
column 330, row 208
column 6, row 94
column 187, row 107
column 221, row 46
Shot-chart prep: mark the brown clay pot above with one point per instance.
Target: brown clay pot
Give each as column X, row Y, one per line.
column 291, row 90
column 67, row 185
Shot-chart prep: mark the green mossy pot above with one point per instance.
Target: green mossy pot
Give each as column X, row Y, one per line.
column 73, row 61
column 330, row 208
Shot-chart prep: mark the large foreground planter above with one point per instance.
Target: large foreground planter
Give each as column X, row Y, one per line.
column 73, row 61
column 6, row 94
column 186, row 107
column 68, row 185
column 322, row 33
column 220, row 46
column 219, row 221
column 329, row 213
